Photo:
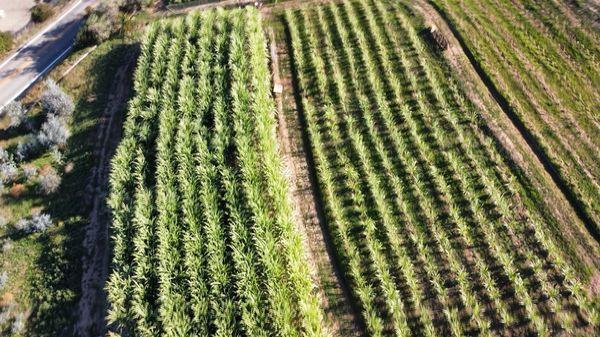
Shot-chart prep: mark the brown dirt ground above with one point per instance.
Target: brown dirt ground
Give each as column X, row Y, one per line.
column 341, row 315
column 91, row 311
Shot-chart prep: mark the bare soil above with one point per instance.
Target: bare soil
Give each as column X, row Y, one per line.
column 91, row 311
column 342, row 316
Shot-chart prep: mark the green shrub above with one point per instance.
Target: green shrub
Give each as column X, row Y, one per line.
column 6, row 42
column 99, row 26
column 41, row 12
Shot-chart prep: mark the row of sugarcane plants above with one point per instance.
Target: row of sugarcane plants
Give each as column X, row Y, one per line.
column 203, row 236
column 422, row 206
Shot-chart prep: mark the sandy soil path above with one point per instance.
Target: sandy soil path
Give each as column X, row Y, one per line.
column 91, row 311
column 342, row 317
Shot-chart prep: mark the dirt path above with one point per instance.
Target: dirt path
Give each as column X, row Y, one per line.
column 514, row 142
column 91, row 311
column 342, row 317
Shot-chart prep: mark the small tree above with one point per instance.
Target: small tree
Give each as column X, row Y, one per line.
column 15, row 112
column 56, row 101
column 54, row 132
column 100, row 25
column 49, row 181
column 41, row 12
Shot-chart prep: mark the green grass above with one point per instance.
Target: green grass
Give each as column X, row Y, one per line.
column 546, row 67
column 44, row 269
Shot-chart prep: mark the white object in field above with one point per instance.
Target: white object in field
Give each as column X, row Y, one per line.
column 2, row 14
column 278, row 88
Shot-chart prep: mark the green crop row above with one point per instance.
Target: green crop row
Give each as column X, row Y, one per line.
column 204, row 242
column 427, row 216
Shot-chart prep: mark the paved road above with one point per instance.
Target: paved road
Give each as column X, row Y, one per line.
column 36, row 57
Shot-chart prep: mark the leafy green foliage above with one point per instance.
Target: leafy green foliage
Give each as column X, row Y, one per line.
column 411, row 182
column 204, row 242
column 6, row 42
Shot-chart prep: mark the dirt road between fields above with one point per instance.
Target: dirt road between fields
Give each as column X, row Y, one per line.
column 341, row 316
column 91, row 311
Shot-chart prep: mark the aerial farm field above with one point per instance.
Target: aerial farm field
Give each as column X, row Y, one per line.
column 545, row 62
column 326, row 168
column 204, row 240
column 414, row 193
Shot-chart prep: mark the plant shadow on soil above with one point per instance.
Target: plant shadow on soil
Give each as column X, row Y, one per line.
column 56, row 283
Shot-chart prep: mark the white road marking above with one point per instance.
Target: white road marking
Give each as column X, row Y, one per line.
column 42, row 73
column 40, row 34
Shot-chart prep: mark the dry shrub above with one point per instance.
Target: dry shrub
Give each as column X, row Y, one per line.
column 17, row 190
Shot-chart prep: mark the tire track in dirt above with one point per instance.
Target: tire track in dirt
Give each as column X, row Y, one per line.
column 91, row 310
column 342, row 316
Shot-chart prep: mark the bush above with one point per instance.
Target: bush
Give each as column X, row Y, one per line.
column 131, row 6
column 18, row 324
column 17, row 190
column 15, row 112
column 37, row 223
column 8, row 172
column 55, row 101
column 7, row 245
column 26, row 148
column 30, row 172
column 49, row 180
column 100, row 25
column 41, row 12
column 40, row 222
column 6, row 42
column 4, row 155
column 54, row 132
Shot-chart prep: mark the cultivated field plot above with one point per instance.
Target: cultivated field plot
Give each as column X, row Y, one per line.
column 432, row 227
column 204, row 242
column 544, row 59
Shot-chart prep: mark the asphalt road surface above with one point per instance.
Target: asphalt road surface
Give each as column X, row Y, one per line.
column 41, row 53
